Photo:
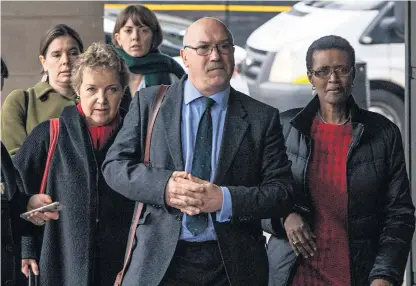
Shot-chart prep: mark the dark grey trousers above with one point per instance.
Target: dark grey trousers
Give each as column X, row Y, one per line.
column 196, row 263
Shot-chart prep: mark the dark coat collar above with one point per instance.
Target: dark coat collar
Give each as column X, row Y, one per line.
column 303, row 120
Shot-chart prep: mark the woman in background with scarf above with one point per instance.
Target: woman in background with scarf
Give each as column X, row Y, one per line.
column 137, row 36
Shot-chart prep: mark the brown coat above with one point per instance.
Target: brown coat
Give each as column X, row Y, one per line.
column 23, row 110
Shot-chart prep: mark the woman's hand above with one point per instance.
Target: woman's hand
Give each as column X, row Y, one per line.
column 300, row 236
column 40, row 218
column 26, row 263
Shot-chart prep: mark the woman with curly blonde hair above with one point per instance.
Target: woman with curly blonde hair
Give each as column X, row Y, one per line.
column 86, row 245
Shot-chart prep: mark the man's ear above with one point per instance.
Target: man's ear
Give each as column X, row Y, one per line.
column 184, row 57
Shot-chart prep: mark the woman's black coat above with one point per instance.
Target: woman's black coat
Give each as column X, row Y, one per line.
column 86, row 245
column 12, row 226
column 380, row 211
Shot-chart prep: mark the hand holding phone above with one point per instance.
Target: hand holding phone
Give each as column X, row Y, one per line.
column 53, row 207
column 41, row 215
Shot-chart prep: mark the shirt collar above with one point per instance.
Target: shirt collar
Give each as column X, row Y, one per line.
column 191, row 93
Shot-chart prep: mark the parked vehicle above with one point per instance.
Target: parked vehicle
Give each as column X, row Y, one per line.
column 275, row 66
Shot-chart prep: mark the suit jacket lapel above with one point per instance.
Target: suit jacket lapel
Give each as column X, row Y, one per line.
column 171, row 115
column 235, row 128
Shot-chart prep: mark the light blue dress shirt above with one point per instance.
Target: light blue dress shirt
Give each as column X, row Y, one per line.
column 192, row 110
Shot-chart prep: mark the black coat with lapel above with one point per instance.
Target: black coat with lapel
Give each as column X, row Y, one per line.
column 252, row 164
column 94, row 222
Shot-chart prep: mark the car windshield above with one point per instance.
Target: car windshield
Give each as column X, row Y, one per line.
column 347, row 5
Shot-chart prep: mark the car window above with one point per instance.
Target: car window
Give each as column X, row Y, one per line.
column 384, row 29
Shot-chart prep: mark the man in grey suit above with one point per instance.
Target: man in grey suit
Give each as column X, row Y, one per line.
column 218, row 166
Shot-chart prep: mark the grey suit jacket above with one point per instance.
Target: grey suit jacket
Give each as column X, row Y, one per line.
column 252, row 163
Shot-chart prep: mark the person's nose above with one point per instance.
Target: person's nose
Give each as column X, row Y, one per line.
column 215, row 54
column 101, row 97
column 333, row 77
column 65, row 59
column 136, row 35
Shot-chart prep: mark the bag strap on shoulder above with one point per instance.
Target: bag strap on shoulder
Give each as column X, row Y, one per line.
column 26, row 95
column 53, row 140
column 155, row 110
column 139, row 206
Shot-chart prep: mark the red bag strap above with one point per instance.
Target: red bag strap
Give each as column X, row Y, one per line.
column 139, row 206
column 53, row 139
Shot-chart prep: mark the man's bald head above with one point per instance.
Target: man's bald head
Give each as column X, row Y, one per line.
column 208, row 54
column 201, row 25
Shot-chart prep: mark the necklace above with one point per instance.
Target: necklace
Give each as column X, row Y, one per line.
column 343, row 123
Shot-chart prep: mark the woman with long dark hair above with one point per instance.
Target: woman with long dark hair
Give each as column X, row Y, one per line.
column 23, row 110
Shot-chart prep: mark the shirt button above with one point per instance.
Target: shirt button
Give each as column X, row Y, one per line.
column 178, row 217
column 9, row 247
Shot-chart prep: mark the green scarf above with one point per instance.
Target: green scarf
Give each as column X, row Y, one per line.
column 155, row 66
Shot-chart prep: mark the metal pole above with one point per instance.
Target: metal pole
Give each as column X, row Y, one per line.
column 407, row 124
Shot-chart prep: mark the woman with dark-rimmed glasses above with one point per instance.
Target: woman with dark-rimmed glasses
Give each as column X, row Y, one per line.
column 353, row 221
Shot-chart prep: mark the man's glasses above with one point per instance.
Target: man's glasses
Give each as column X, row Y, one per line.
column 326, row 73
column 205, row 50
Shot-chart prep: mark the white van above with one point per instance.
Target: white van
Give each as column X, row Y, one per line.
column 275, row 66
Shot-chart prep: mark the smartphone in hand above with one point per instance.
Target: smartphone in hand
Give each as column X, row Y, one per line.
column 55, row 206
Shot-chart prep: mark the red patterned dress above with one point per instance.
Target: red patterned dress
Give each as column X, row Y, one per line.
column 327, row 183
